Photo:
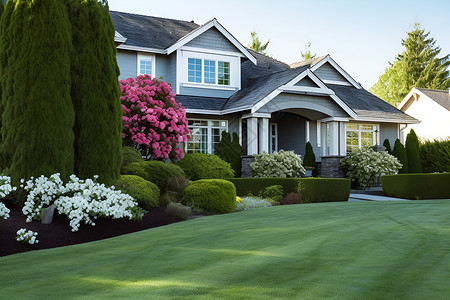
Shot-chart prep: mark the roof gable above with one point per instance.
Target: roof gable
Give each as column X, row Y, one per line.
column 306, row 81
column 441, row 97
column 213, row 39
column 330, row 69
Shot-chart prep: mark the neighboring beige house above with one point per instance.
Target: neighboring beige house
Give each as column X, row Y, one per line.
column 432, row 108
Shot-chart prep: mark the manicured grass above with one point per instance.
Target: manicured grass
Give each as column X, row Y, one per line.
column 358, row 250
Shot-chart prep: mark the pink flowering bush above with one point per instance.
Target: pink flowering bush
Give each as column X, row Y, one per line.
column 152, row 121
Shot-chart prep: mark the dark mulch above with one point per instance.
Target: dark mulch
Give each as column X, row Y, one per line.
column 59, row 232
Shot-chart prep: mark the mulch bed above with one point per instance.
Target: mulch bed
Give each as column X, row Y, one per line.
column 59, row 233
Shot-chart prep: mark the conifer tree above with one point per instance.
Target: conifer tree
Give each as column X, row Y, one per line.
column 387, row 145
column 230, row 151
column 38, row 116
column 412, row 151
column 257, row 45
column 310, row 158
column 399, row 151
column 95, row 91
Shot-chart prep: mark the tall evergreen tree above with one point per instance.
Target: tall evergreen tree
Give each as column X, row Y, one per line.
column 95, row 91
column 387, row 145
column 257, row 45
column 417, row 66
column 38, row 115
column 399, row 151
column 412, row 151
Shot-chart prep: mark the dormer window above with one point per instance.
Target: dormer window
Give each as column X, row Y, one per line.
column 224, row 73
column 204, row 71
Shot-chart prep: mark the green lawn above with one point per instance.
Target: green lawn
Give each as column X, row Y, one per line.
column 357, row 250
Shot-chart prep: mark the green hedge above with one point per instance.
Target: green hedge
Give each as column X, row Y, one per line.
column 155, row 171
column 435, row 156
column 143, row 191
column 313, row 189
column 205, row 166
column 417, row 186
column 214, row 195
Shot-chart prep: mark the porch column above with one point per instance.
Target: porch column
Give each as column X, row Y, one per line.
column 306, row 131
column 263, row 135
column 334, row 138
column 324, row 138
column 252, row 136
column 342, row 138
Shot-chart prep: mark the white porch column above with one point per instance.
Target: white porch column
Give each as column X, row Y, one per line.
column 324, row 138
column 252, row 136
column 334, row 138
column 263, row 135
column 342, row 139
column 306, row 131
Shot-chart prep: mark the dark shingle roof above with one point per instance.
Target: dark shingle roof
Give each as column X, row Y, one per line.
column 439, row 96
column 150, row 32
column 198, row 102
column 366, row 104
column 309, row 62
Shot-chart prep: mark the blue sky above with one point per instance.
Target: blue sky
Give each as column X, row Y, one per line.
column 362, row 36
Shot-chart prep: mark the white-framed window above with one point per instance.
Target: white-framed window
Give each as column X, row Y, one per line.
column 146, row 64
column 360, row 135
column 209, row 74
column 206, row 134
column 273, row 137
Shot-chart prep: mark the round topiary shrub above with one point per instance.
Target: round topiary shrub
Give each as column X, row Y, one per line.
column 155, row 171
column 130, row 155
column 214, row 195
column 143, row 191
column 277, row 164
column 205, row 166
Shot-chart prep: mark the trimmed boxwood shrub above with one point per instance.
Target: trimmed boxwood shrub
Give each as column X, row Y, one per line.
column 315, row 189
column 417, row 186
column 205, row 166
column 130, row 155
column 399, row 151
column 143, row 191
column 155, row 171
column 412, row 152
column 214, row 195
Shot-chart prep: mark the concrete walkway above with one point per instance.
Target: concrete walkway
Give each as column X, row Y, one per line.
column 367, row 197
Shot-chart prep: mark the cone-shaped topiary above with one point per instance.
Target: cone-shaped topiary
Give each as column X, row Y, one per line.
column 310, row 158
column 95, row 91
column 38, row 116
column 412, row 151
column 399, row 151
column 230, row 151
column 387, row 145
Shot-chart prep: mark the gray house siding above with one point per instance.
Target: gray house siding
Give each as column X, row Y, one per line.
column 212, row 39
column 291, row 132
column 162, row 64
column 205, row 92
column 306, row 82
column 328, row 72
column 388, row 131
column 172, row 70
column 127, row 61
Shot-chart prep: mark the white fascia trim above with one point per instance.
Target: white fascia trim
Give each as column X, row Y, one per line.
column 407, row 97
column 337, row 82
column 212, row 51
column 389, row 120
column 305, row 90
column 210, row 86
column 338, row 68
column 141, row 49
column 257, row 115
column 119, row 38
column 335, row 119
column 217, row 112
column 213, row 23
column 344, row 106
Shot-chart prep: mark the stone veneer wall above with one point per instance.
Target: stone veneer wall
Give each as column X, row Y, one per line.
column 330, row 167
column 246, row 160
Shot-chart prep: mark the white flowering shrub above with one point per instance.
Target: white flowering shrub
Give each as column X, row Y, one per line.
column 80, row 200
column 277, row 164
column 4, row 211
column 245, row 203
column 27, row 236
column 5, row 186
column 365, row 166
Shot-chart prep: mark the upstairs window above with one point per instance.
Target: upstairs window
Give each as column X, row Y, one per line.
column 146, row 64
column 194, row 70
column 208, row 71
column 224, row 73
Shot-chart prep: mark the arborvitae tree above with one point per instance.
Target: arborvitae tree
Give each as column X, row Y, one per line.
column 95, row 91
column 399, row 151
column 310, row 158
column 387, row 145
column 413, row 153
column 38, row 116
column 230, row 151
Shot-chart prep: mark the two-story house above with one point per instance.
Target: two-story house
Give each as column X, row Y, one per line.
column 270, row 104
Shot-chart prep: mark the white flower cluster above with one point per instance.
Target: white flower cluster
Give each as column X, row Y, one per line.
column 366, row 165
column 4, row 211
column 251, row 202
column 27, row 236
column 277, row 164
column 5, row 187
column 78, row 199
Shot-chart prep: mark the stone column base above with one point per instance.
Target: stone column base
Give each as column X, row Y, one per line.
column 246, row 160
column 330, row 167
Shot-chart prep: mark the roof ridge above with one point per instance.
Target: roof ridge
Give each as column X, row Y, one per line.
column 307, row 61
column 160, row 18
column 436, row 90
column 266, row 56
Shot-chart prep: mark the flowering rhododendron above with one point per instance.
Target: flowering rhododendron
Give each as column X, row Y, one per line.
column 152, row 120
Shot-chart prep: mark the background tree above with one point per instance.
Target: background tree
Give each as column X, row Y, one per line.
column 38, row 116
column 95, row 91
column 417, row 66
column 412, row 151
column 257, row 45
column 399, row 151
column 307, row 54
